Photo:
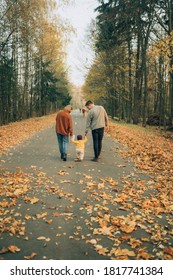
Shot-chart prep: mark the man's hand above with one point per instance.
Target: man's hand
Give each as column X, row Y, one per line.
column 106, row 128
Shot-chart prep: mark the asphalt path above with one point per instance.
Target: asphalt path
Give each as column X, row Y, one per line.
column 71, row 196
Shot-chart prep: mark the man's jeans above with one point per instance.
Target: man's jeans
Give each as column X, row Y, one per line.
column 63, row 143
column 97, row 135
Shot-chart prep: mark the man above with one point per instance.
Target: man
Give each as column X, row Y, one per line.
column 97, row 120
column 64, row 127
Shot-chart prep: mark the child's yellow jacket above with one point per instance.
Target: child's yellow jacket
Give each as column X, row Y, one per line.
column 80, row 144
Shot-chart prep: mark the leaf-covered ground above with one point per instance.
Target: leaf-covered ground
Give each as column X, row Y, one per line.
column 102, row 214
column 153, row 154
column 15, row 133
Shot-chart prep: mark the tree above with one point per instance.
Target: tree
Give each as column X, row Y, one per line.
column 125, row 32
column 32, row 57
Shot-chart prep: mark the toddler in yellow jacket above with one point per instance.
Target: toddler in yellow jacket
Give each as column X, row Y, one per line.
column 80, row 146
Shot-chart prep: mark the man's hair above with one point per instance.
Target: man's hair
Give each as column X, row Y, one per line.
column 79, row 137
column 89, row 102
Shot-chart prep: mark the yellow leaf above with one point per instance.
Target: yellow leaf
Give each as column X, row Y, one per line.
column 4, row 250
column 143, row 254
column 87, row 176
column 129, row 227
column 41, row 238
column 92, row 241
column 34, row 200
column 106, row 230
column 122, row 252
column 102, row 251
column 62, row 172
column 27, row 217
column 39, row 216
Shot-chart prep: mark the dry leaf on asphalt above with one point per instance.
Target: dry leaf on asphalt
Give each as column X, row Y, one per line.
column 30, row 257
column 13, row 249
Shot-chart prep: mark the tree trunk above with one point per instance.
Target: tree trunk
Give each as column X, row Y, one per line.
column 137, row 101
column 160, row 89
column 130, row 99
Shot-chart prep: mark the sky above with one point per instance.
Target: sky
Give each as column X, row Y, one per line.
column 79, row 55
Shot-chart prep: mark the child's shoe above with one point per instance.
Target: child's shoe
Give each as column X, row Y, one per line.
column 77, row 160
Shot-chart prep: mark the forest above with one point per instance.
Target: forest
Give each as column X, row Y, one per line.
column 132, row 72
column 33, row 75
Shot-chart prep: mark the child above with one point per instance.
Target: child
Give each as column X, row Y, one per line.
column 80, row 145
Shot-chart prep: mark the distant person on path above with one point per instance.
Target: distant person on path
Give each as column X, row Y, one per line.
column 83, row 112
column 64, row 127
column 80, row 146
column 97, row 120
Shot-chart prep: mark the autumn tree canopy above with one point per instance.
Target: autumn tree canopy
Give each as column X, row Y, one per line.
column 33, row 76
column 134, row 58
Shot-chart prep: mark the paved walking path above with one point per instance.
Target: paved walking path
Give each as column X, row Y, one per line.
column 75, row 201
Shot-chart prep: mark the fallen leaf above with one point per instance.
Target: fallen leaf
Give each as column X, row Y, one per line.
column 13, row 249
column 122, row 252
column 102, row 251
column 27, row 217
column 65, row 181
column 87, row 176
column 41, row 238
column 62, row 172
column 4, row 250
column 128, row 227
column 92, row 241
column 143, row 254
column 40, row 216
column 168, row 251
column 31, row 256
column 49, row 221
column 34, row 200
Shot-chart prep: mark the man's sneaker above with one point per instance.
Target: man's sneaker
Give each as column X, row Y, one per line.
column 95, row 159
column 64, row 157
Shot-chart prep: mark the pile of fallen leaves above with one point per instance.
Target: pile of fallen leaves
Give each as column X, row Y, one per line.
column 152, row 153
column 14, row 133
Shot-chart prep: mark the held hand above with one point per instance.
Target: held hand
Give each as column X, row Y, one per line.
column 106, row 128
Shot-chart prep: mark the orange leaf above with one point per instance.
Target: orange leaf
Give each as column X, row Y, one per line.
column 30, row 257
column 122, row 252
column 34, row 200
column 168, row 251
column 39, row 216
column 13, row 249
